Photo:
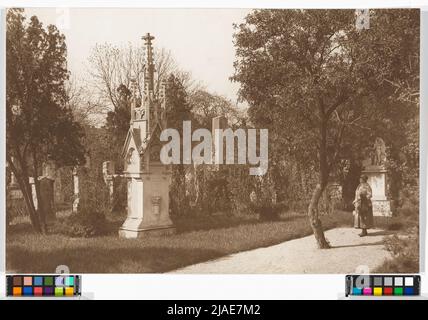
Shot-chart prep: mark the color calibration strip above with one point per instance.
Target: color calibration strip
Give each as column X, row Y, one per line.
column 383, row 285
column 43, row 285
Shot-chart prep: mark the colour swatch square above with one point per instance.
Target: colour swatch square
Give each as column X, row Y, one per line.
column 69, row 291
column 69, row 281
column 28, row 291
column 38, row 291
column 398, row 291
column 408, row 281
column 377, row 281
column 367, row 291
column 398, row 281
column 48, row 281
column 387, row 291
column 28, row 281
column 17, row 281
column 377, row 291
column 387, row 281
column 17, row 291
column 59, row 291
column 38, row 281
column 48, row 291
column 59, row 281
column 357, row 291
column 408, row 291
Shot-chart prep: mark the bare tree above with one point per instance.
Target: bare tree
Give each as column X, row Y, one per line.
column 111, row 66
column 86, row 106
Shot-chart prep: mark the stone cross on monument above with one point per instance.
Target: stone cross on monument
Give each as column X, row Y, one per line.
column 150, row 67
column 148, row 179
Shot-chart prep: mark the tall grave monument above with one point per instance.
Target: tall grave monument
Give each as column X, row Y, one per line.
column 375, row 170
column 148, row 179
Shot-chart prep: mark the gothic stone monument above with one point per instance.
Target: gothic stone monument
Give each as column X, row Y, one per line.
column 148, row 179
column 374, row 169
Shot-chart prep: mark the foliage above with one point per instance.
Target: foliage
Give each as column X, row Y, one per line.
column 178, row 110
column 321, row 81
column 404, row 246
column 39, row 123
column 93, row 191
column 405, row 253
column 87, row 222
column 117, row 125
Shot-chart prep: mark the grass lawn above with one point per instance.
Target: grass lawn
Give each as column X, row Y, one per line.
column 197, row 239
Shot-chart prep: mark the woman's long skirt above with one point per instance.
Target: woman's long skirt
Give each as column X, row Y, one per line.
column 363, row 215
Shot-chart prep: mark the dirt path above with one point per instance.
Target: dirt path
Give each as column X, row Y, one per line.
column 348, row 252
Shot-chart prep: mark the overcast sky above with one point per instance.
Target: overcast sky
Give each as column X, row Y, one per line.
column 200, row 40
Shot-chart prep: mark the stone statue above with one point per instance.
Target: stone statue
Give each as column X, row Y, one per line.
column 379, row 152
column 137, row 112
column 135, row 95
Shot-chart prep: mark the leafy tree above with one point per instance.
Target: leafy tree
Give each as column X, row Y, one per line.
column 178, row 110
column 304, row 74
column 117, row 124
column 38, row 122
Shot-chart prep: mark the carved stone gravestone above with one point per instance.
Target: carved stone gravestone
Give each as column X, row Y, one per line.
column 148, row 179
column 376, row 172
column 47, row 181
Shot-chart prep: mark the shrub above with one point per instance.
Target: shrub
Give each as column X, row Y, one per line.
column 267, row 212
column 405, row 253
column 87, row 222
column 409, row 202
column 408, row 210
column 14, row 207
column 265, row 207
column 120, row 195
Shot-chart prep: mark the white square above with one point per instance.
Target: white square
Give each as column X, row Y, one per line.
column 398, row 281
column 408, row 281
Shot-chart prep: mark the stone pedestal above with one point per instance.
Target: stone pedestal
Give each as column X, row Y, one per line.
column 378, row 182
column 148, row 204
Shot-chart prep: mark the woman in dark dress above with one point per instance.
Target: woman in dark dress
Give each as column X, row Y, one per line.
column 363, row 214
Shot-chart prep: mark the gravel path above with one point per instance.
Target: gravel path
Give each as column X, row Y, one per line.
column 348, row 253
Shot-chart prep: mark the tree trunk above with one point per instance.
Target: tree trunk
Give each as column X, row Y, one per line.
column 24, row 185
column 314, row 218
column 313, row 211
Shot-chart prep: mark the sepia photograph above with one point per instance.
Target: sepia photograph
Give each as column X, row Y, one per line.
column 212, row 141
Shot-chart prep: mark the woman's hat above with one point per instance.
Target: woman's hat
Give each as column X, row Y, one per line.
column 364, row 177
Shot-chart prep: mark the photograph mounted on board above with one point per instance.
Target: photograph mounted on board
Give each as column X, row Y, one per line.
column 200, row 141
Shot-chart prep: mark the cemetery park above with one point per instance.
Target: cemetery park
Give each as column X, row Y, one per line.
column 87, row 187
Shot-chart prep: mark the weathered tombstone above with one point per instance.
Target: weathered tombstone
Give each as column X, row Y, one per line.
column 47, row 196
column 376, row 172
column 148, row 179
column 15, row 204
column 58, row 192
column 75, row 190
column 13, row 190
column 108, row 175
column 332, row 196
column 13, row 181
column 33, row 191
